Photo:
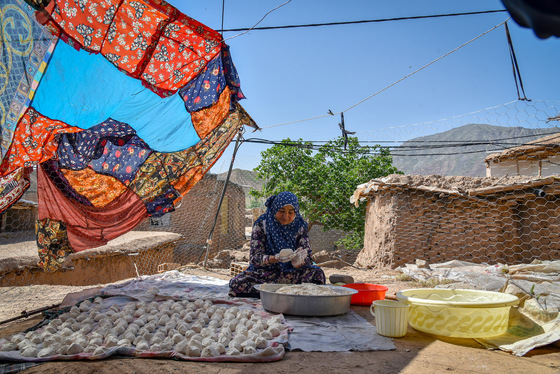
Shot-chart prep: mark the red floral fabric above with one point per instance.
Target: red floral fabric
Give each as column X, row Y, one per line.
column 34, row 141
column 148, row 39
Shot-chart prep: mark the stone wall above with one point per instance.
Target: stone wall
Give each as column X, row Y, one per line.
column 408, row 224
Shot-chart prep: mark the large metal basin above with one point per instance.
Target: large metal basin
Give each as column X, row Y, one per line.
column 305, row 305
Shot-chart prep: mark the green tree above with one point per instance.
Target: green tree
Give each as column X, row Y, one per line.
column 324, row 180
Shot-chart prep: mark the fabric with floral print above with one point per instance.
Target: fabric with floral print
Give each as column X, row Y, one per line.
column 97, row 188
column 52, row 244
column 122, row 158
column 204, row 90
column 163, row 204
column 76, row 150
column 110, row 148
column 35, row 141
column 147, row 39
column 13, row 186
column 207, row 119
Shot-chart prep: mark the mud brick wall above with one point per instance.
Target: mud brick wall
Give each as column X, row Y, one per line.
column 407, row 224
column 194, row 218
column 324, row 240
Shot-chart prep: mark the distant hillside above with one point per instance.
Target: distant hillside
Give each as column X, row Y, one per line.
column 464, row 160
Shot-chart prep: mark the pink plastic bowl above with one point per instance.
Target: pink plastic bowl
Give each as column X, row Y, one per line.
column 367, row 293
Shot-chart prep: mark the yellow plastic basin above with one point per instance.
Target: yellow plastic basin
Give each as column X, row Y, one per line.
column 458, row 313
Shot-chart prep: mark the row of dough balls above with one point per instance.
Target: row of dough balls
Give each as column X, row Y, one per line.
column 195, row 329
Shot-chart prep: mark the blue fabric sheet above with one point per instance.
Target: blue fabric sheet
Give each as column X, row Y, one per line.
column 83, row 90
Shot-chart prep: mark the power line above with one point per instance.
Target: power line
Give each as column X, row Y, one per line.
column 396, row 150
column 258, row 140
column 362, row 21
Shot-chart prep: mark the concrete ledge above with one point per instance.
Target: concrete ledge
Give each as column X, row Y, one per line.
column 132, row 254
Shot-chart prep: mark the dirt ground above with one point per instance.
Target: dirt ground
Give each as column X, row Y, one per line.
column 416, row 352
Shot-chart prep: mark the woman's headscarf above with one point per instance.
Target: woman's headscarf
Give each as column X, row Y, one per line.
column 280, row 236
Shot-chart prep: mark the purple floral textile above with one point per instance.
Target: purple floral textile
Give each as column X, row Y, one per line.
column 163, row 203
column 76, row 150
column 205, row 89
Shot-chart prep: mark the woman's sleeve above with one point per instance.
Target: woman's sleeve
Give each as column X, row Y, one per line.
column 258, row 238
column 302, row 241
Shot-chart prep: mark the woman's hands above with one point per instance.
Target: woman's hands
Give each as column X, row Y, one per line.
column 273, row 259
column 299, row 257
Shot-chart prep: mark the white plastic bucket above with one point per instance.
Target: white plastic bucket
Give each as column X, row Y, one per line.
column 391, row 317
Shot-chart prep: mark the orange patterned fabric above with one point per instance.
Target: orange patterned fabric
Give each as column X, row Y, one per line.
column 155, row 175
column 34, row 141
column 209, row 149
column 207, row 119
column 99, row 189
column 187, row 181
column 148, row 39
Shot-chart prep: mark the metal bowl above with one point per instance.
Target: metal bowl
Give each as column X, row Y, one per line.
column 305, row 305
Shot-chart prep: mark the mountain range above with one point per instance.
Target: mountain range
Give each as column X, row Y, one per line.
column 461, row 151
column 457, row 152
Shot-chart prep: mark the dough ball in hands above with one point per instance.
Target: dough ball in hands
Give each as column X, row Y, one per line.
column 285, row 255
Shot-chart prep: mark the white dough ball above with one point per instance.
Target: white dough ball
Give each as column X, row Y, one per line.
column 232, row 352
column 143, row 346
column 209, row 352
column 90, row 348
column 74, row 349
column 249, row 350
column 181, row 347
column 193, row 351
column 100, row 351
column 47, row 352
column 9, row 346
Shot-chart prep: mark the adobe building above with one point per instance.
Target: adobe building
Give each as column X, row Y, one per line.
column 538, row 158
column 194, row 217
column 508, row 220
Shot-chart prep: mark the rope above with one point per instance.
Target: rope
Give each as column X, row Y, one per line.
column 223, row 11
column 255, row 25
column 515, row 66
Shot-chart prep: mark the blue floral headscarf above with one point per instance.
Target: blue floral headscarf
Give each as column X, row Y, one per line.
column 280, row 236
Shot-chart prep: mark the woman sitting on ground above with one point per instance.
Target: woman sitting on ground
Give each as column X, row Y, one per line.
column 280, row 227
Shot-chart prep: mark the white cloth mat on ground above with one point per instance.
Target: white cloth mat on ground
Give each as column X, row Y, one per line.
column 347, row 332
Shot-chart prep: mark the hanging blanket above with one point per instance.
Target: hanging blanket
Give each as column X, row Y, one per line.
column 88, row 226
column 13, row 186
column 26, row 48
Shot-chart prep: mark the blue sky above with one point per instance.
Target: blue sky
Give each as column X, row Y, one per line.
column 293, row 74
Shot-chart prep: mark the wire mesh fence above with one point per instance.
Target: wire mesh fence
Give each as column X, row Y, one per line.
column 502, row 206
